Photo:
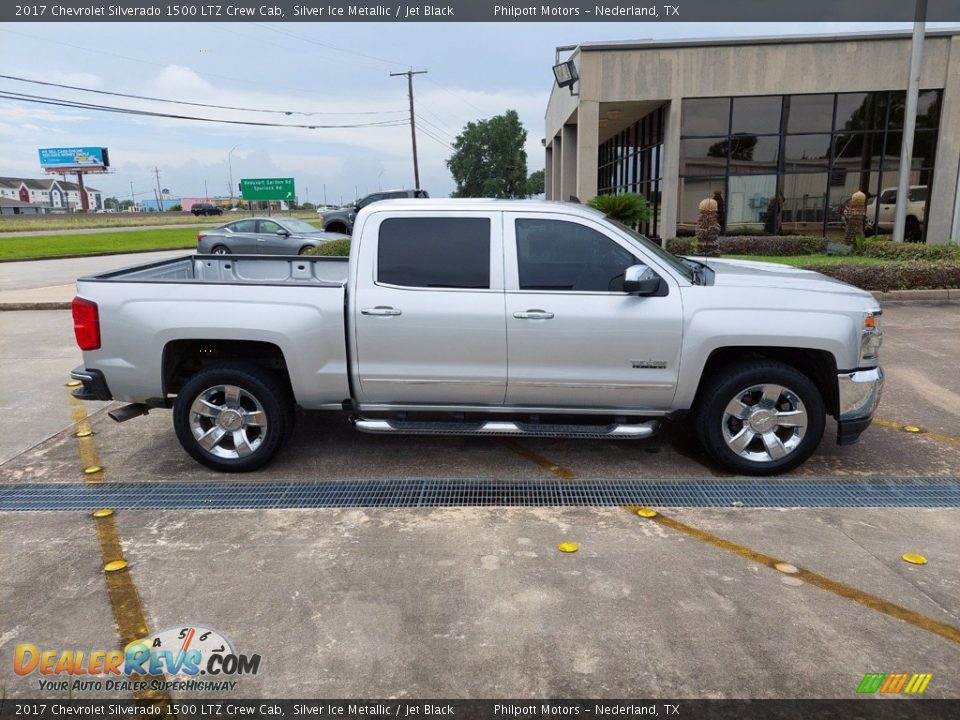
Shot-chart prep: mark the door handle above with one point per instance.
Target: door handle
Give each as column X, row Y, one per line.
column 381, row 310
column 534, row 315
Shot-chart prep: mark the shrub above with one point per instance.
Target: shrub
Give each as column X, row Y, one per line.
column 889, row 250
column 628, row 208
column 910, row 275
column 333, row 248
column 756, row 245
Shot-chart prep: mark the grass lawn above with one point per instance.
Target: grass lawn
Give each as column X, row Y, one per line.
column 77, row 221
column 41, row 246
column 800, row 260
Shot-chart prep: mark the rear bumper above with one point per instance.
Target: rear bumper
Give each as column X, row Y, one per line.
column 94, row 384
column 859, row 394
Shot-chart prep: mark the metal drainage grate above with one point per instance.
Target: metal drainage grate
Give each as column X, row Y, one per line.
column 928, row 492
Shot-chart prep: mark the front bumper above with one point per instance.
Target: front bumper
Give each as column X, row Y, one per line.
column 94, row 384
column 859, row 394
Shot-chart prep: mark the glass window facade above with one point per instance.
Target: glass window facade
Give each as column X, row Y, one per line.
column 791, row 162
column 632, row 161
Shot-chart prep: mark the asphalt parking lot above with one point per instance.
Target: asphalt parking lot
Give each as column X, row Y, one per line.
column 462, row 599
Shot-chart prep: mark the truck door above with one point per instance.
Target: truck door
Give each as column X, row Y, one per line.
column 428, row 311
column 575, row 338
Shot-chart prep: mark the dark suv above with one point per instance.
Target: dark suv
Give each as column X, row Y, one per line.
column 341, row 221
column 206, row 209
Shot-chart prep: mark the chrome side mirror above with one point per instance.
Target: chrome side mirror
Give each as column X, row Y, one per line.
column 641, row 280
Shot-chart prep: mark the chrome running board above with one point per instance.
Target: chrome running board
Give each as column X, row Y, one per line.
column 508, row 428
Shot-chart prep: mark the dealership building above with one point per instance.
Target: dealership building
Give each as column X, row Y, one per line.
column 780, row 130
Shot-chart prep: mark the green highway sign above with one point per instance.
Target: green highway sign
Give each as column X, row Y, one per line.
column 267, row 189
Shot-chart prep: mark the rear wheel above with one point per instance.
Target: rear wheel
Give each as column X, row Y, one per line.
column 760, row 417
column 221, row 250
column 233, row 417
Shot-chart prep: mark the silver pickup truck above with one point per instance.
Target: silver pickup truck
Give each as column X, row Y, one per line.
column 485, row 317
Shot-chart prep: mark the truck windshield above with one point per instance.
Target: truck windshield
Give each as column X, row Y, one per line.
column 667, row 257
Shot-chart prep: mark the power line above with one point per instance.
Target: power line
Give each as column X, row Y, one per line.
column 194, row 104
column 244, row 81
column 435, row 127
column 454, row 95
column 59, row 102
column 436, row 139
column 331, row 47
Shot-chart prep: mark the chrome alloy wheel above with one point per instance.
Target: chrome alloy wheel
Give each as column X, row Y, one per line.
column 764, row 423
column 228, row 422
column 221, row 250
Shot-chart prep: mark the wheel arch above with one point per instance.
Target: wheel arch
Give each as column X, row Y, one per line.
column 818, row 365
column 184, row 358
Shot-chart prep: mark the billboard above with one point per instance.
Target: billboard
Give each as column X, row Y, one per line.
column 73, row 157
column 267, row 189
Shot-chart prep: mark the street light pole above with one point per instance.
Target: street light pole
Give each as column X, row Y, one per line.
column 230, row 166
column 909, row 121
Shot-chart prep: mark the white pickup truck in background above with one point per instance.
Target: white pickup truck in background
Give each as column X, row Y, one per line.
column 485, row 317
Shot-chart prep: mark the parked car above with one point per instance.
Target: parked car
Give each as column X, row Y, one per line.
column 263, row 235
column 199, row 209
column 488, row 318
column 341, row 221
column 887, row 200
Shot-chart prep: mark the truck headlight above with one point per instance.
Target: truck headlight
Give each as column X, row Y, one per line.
column 870, row 337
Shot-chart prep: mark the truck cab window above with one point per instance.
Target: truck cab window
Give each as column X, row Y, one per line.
column 561, row 255
column 434, row 252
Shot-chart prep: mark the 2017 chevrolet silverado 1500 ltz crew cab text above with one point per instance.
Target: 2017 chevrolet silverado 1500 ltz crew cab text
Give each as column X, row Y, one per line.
column 485, row 317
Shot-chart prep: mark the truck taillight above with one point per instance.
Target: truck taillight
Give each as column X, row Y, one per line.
column 86, row 323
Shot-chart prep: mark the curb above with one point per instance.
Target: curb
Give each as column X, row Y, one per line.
column 949, row 295
column 943, row 295
column 35, row 306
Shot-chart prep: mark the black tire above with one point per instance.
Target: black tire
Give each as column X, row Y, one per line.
column 732, row 383
column 305, row 249
column 261, row 390
column 220, row 250
column 337, row 228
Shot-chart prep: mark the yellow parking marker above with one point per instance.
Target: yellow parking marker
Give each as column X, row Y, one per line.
column 646, row 512
column 548, row 465
column 568, row 547
column 914, row 559
column 74, row 384
column 917, row 430
column 919, row 620
column 124, row 599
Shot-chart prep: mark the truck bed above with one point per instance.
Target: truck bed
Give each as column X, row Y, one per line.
column 234, row 269
column 293, row 303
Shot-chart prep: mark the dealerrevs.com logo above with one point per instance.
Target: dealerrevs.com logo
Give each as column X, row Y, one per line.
column 184, row 653
column 894, row 683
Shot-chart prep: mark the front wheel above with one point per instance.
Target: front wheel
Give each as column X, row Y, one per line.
column 233, row 417
column 760, row 418
column 305, row 249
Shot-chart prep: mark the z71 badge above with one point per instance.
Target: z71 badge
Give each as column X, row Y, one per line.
column 649, row 364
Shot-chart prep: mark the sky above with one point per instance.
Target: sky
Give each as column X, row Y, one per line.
column 338, row 73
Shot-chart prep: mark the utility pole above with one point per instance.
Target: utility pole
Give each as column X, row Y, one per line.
column 206, row 193
column 413, row 125
column 910, row 121
column 156, row 171
column 133, row 197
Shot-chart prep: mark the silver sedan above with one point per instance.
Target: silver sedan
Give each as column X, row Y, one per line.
column 263, row 236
